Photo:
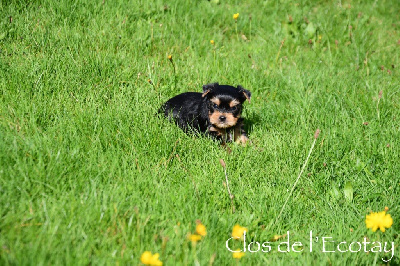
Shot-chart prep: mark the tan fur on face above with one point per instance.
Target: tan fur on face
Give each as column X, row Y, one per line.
column 233, row 103
column 215, row 100
column 229, row 122
column 219, row 131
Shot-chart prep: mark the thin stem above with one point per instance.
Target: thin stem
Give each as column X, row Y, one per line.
column 227, row 184
column 279, row 51
column 298, row 177
column 237, row 35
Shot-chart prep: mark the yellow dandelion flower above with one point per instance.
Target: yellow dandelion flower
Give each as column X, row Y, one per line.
column 194, row 237
column 201, row 229
column 237, row 255
column 386, row 208
column 235, row 16
column 238, row 231
column 149, row 259
column 319, row 37
column 170, row 57
column 379, row 220
column 212, row 42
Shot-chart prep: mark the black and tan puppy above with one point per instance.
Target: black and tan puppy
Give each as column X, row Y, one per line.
column 215, row 112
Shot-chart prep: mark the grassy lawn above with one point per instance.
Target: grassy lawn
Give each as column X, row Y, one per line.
column 90, row 175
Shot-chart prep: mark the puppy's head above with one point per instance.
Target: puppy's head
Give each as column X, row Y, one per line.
column 224, row 103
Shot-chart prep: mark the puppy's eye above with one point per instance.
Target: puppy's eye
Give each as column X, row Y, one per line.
column 234, row 108
column 215, row 105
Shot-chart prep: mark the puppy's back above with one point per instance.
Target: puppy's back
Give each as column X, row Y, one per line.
column 184, row 109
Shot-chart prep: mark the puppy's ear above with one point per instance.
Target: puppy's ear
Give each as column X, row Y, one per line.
column 246, row 93
column 208, row 88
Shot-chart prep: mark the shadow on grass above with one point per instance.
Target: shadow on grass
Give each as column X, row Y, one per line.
column 251, row 120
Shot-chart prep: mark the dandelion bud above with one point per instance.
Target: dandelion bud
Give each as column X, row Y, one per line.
column 317, row 133
column 221, row 161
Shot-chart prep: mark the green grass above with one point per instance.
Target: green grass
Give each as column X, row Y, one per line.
column 89, row 175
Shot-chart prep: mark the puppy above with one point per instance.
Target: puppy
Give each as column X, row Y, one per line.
column 215, row 112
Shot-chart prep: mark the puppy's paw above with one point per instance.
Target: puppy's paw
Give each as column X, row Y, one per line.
column 243, row 139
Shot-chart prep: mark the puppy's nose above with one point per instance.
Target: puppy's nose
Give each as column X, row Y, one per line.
column 222, row 118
